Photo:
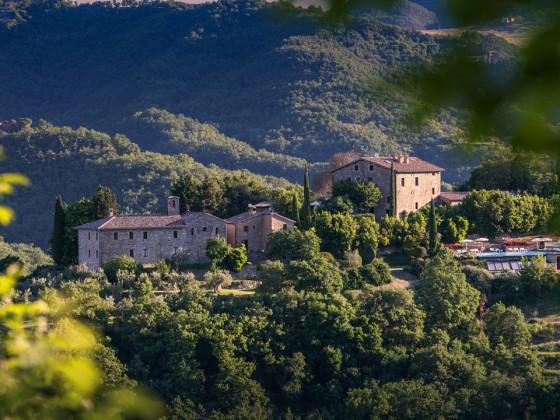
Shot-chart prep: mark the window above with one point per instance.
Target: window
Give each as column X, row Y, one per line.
column 253, row 227
column 284, row 226
column 371, row 167
column 204, row 229
column 416, row 206
column 89, row 235
column 175, row 249
column 130, row 235
column 217, row 231
column 433, row 173
column 246, row 244
column 96, row 236
column 387, row 211
column 192, row 231
column 116, row 235
column 370, row 179
column 349, row 179
column 389, row 199
column 131, row 253
column 145, row 252
column 433, row 190
column 357, row 178
column 145, row 235
column 245, row 228
column 356, row 168
column 416, row 181
column 175, row 234
column 96, row 253
column 402, row 182
column 89, row 253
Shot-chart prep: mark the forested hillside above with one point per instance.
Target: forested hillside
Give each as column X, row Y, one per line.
column 268, row 77
column 73, row 163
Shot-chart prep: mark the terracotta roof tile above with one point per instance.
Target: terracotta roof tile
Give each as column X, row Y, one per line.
column 143, row 221
column 248, row 216
column 454, row 196
column 414, row 164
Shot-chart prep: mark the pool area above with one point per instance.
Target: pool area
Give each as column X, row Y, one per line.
column 486, row 255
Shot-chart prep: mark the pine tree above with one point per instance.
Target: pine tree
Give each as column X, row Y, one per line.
column 432, row 229
column 392, row 198
column 295, row 210
column 306, row 213
column 57, row 238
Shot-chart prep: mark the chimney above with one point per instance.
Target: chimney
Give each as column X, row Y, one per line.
column 405, row 158
column 172, row 205
column 110, row 213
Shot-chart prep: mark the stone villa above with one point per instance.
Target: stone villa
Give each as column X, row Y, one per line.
column 151, row 238
column 252, row 228
column 417, row 182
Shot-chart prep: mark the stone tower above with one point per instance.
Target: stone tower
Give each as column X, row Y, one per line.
column 172, row 205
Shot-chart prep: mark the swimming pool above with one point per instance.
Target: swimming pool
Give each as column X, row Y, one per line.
column 509, row 254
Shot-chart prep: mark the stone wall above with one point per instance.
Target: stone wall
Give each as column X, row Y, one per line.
column 254, row 232
column 88, row 245
column 161, row 243
column 411, row 197
column 366, row 171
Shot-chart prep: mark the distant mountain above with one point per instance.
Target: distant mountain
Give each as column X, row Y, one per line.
column 404, row 13
column 269, row 77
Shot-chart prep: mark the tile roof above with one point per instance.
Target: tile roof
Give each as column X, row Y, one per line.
column 454, row 196
column 142, row 221
column 248, row 216
column 414, row 164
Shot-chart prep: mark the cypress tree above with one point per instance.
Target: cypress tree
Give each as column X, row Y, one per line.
column 392, row 198
column 306, row 213
column 295, row 210
column 57, row 238
column 432, row 229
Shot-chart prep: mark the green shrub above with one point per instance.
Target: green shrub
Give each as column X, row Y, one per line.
column 163, row 268
column 376, row 273
column 418, row 252
column 351, row 259
column 124, row 263
column 353, row 279
column 479, row 278
column 327, row 256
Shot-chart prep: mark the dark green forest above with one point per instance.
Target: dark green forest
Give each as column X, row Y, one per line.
column 259, row 77
column 73, row 163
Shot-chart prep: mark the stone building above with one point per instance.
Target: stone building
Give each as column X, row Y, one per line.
column 417, row 182
column 148, row 238
column 451, row 199
column 252, row 228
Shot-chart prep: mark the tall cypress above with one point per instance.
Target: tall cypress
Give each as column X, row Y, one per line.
column 306, row 211
column 432, row 229
column 392, row 198
column 57, row 238
column 295, row 210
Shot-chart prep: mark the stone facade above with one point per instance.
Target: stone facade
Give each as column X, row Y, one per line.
column 416, row 182
column 148, row 238
column 252, row 229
